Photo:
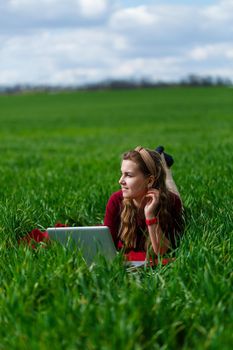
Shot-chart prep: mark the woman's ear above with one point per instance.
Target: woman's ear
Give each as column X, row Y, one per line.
column 151, row 182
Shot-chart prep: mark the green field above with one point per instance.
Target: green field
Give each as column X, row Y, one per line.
column 60, row 161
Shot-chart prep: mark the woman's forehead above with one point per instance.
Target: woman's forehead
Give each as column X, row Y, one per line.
column 128, row 165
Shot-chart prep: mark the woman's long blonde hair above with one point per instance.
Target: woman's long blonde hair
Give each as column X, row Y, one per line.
column 129, row 213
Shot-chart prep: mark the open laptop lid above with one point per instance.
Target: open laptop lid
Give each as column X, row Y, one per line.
column 91, row 240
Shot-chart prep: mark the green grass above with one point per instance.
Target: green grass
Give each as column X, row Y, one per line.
column 60, row 161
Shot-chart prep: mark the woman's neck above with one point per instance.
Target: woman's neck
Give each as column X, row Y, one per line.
column 138, row 202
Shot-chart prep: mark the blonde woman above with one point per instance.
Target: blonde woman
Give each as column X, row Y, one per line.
column 146, row 213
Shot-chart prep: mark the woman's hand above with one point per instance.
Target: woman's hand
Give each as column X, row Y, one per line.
column 152, row 200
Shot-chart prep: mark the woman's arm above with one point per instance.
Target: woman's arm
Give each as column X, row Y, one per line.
column 159, row 241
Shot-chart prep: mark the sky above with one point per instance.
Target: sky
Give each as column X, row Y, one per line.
column 76, row 42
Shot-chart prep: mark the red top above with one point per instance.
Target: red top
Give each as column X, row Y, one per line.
column 112, row 220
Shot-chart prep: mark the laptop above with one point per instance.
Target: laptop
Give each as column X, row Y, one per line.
column 92, row 241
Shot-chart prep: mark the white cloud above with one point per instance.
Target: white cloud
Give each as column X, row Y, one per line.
column 220, row 12
column 34, row 7
column 78, row 41
column 229, row 53
column 90, row 8
column 18, row 3
column 43, row 11
column 132, row 17
column 50, row 55
column 199, row 53
column 166, row 29
column 208, row 52
column 152, row 69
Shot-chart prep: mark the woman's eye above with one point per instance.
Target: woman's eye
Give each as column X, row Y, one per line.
column 126, row 175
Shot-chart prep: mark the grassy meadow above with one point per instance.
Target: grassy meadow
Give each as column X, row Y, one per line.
column 60, row 162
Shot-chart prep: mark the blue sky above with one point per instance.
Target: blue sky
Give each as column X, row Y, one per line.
column 171, row 2
column 74, row 42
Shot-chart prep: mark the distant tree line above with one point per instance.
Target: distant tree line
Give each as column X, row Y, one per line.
column 191, row 80
column 196, row 80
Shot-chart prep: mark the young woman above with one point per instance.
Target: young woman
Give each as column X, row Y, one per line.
column 146, row 214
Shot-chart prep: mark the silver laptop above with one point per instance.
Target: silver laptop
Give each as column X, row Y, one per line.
column 92, row 241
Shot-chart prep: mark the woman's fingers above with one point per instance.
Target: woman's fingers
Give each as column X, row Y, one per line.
column 151, row 200
column 152, row 197
column 152, row 190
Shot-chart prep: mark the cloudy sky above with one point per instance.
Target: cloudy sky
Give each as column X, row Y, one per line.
column 80, row 41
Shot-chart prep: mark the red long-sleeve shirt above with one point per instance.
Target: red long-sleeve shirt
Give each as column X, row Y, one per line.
column 112, row 220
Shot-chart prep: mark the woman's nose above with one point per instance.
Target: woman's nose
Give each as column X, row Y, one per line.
column 121, row 180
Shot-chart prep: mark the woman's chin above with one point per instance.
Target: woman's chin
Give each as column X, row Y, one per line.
column 125, row 194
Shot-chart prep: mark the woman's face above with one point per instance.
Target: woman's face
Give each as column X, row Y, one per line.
column 133, row 182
